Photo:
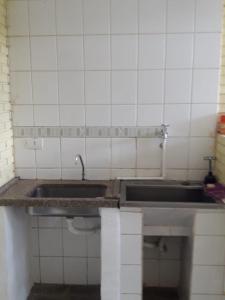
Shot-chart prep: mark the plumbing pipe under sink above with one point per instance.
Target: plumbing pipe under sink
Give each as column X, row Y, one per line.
column 77, row 230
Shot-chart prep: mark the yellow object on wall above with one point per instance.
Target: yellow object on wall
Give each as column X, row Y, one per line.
column 6, row 137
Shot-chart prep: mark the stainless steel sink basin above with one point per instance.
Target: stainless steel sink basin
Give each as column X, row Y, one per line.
column 68, row 191
column 81, row 191
column 167, row 192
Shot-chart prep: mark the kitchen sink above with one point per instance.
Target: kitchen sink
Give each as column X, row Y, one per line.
column 68, row 191
column 80, row 191
column 167, row 192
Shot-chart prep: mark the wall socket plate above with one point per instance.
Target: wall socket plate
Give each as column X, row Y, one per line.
column 34, row 144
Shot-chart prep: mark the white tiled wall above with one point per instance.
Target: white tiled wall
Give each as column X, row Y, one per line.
column 68, row 258
column 115, row 63
column 162, row 268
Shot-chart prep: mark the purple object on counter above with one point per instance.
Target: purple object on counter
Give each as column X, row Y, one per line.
column 218, row 192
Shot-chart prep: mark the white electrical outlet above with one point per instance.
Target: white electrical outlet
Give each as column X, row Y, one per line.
column 34, row 144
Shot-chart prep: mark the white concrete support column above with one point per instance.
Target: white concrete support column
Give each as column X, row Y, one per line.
column 208, row 263
column 131, row 254
column 15, row 282
column 110, row 254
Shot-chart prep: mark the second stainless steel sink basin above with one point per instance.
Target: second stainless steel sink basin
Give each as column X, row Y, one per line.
column 164, row 192
column 68, row 191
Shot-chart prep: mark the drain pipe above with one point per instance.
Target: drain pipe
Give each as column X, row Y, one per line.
column 80, row 231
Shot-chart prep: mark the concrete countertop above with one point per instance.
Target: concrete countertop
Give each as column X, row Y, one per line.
column 17, row 193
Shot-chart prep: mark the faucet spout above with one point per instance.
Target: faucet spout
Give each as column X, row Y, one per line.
column 78, row 157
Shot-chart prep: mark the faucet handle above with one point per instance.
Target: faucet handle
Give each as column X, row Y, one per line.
column 209, row 158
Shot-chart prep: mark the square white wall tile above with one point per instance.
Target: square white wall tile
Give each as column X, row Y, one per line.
column 35, row 242
column 49, row 156
column 71, row 87
column 131, row 279
column 178, row 86
column 131, row 249
column 94, row 271
column 74, row 245
column 50, row 242
column 98, row 174
column 151, row 273
column 17, row 18
column 24, row 158
column 51, row 173
column 209, row 224
column 148, row 153
column 130, row 297
column 94, row 243
column 207, row 297
column 150, row 115
column 169, row 273
column 25, row 173
column 72, row 115
column 152, row 51
column 98, row 115
column 19, row 53
column 178, row 117
column 200, row 147
column 124, row 16
column 98, row 153
column 181, row 16
column 179, row 52
column 124, row 115
column 207, row 50
column 50, row 222
column 209, row 250
column 124, row 87
column 45, row 87
column 151, row 87
column 75, row 270
column 46, row 115
column 43, row 53
column 96, row 16
column 152, row 16
column 35, row 266
column 70, row 52
column 122, row 173
column 203, row 119
column 208, row 18
column 131, row 223
column 23, row 115
column 124, row 52
column 21, row 87
column 51, row 269
column 71, row 173
column 97, row 52
column 97, row 87
column 69, row 148
column 177, row 153
column 123, row 153
column 174, row 248
column 42, row 17
column 207, row 279
column 202, row 92
column 69, row 17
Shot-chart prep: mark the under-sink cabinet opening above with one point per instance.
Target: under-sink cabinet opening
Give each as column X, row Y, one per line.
column 166, row 267
column 65, row 264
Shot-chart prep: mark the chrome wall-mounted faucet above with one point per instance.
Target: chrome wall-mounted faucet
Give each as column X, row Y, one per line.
column 164, row 131
column 78, row 157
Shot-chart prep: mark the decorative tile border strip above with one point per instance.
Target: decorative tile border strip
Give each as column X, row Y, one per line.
column 88, row 132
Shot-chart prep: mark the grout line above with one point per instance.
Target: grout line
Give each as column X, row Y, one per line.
column 31, row 74
column 192, row 90
column 111, row 94
column 58, row 102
